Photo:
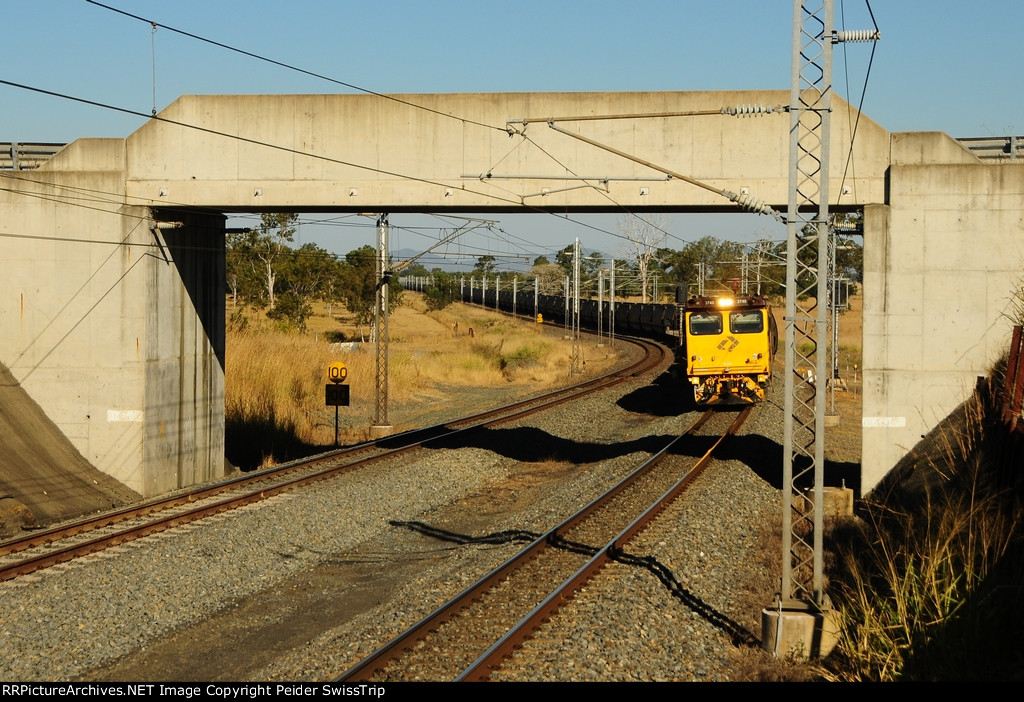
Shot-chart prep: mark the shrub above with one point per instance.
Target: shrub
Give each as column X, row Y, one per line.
column 291, row 309
column 441, row 292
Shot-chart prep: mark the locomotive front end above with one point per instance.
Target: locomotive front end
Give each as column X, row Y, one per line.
column 729, row 346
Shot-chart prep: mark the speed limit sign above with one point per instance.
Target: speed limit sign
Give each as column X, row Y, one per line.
column 337, row 372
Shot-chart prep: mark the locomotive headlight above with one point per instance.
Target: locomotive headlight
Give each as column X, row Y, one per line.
column 725, row 302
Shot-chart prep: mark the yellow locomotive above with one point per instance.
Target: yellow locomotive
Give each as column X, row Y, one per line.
column 730, row 342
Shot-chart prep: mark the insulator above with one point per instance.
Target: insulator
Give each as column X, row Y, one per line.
column 752, row 204
column 847, row 226
column 745, row 110
column 856, row 35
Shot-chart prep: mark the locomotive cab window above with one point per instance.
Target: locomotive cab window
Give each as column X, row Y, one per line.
column 751, row 322
column 702, row 323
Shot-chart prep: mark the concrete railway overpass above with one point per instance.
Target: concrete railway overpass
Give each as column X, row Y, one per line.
column 115, row 326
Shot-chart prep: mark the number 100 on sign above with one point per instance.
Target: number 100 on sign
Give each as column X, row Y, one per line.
column 337, row 395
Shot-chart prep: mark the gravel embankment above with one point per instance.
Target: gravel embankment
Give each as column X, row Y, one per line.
column 363, row 578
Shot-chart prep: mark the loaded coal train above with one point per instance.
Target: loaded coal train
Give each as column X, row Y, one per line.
column 648, row 320
column 728, row 342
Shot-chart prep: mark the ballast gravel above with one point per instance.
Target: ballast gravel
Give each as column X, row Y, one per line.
column 82, row 619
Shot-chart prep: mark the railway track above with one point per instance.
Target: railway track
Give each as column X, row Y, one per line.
column 467, row 638
column 45, row 548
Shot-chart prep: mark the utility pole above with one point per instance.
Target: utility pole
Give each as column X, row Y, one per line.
column 575, row 363
column 832, row 416
column 381, row 427
column 568, row 302
column 804, row 450
column 611, row 310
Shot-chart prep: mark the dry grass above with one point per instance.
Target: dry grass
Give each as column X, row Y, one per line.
column 851, row 330
column 274, row 397
column 928, row 583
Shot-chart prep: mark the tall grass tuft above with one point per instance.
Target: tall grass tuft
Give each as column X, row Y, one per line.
column 928, row 583
column 273, row 380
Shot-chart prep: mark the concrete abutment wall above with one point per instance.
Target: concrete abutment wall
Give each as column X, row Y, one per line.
column 184, row 358
column 117, row 335
column 943, row 271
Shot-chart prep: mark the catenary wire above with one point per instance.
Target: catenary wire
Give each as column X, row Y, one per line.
column 290, row 67
column 247, row 140
column 860, row 104
column 511, row 200
column 259, row 57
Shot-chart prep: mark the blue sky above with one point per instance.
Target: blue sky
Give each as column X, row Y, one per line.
column 936, row 68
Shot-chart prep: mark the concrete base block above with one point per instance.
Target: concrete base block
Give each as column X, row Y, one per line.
column 379, row 431
column 802, row 635
column 838, row 502
column 831, row 420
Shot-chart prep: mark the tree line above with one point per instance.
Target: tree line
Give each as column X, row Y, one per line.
column 707, row 264
column 265, row 272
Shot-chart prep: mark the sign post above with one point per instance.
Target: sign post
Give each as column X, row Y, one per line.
column 336, row 392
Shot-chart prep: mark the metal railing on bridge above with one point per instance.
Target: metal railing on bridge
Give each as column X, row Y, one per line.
column 1007, row 148
column 17, row 156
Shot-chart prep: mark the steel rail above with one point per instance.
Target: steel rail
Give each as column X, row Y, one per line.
column 481, row 669
column 412, row 439
column 41, row 537
column 379, row 659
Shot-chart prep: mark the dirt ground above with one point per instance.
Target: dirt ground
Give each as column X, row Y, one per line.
column 43, row 477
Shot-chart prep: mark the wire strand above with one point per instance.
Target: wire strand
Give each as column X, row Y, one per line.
column 247, row 140
column 860, row 103
column 290, row 67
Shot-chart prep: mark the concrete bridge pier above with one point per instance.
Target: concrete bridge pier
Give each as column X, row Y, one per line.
column 183, row 440
column 114, row 327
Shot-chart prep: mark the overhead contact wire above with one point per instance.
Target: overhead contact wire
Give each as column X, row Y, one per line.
column 605, row 195
column 247, row 140
column 860, row 104
column 290, row 67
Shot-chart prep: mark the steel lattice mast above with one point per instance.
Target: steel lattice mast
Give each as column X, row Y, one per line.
column 381, row 324
column 810, row 273
column 806, row 329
